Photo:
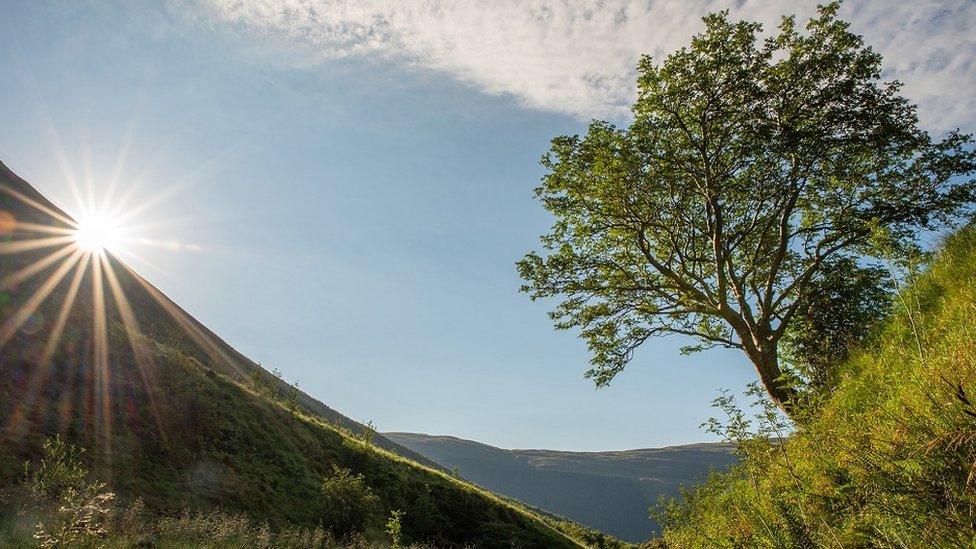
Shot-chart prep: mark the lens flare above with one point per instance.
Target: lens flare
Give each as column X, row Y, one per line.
column 97, row 233
column 53, row 264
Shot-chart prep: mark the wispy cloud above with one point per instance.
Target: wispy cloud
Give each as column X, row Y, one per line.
column 578, row 57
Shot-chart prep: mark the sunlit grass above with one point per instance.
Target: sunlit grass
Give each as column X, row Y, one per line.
column 890, row 458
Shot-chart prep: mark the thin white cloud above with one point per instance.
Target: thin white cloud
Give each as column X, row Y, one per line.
column 578, row 57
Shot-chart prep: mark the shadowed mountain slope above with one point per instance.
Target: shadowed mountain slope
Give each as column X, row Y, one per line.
column 168, row 413
column 609, row 491
column 158, row 317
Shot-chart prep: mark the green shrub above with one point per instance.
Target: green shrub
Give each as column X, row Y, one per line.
column 80, row 518
column 367, row 433
column 841, row 307
column 59, row 469
column 394, row 528
column 264, row 384
column 347, row 502
column 78, row 508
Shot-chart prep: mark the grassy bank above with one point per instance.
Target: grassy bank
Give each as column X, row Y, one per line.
column 213, row 459
column 888, row 461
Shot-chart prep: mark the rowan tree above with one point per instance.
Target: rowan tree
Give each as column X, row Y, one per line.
column 751, row 165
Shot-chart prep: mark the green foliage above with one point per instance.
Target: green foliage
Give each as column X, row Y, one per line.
column 885, row 461
column 264, row 384
column 290, row 398
column 753, row 435
column 347, row 501
column 841, row 306
column 394, row 529
column 751, row 168
column 368, row 433
column 220, row 529
column 80, row 508
column 589, row 537
column 274, row 387
column 59, row 470
column 80, row 518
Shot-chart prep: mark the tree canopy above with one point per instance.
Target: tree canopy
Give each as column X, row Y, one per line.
column 752, row 166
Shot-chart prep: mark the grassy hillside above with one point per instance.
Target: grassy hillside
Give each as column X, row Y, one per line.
column 890, row 459
column 210, row 443
column 173, row 420
column 609, row 491
column 156, row 315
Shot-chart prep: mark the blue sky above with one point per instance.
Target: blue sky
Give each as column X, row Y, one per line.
column 343, row 189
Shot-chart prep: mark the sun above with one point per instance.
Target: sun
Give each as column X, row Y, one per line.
column 97, row 233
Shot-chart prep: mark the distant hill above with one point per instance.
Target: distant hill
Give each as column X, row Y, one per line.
column 609, row 491
column 170, row 414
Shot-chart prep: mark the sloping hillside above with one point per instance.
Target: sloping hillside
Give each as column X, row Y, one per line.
column 888, row 460
column 609, row 491
column 166, row 413
column 37, row 219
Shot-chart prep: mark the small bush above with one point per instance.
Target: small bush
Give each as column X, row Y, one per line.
column 394, row 528
column 60, row 469
column 347, row 502
column 80, row 507
column 264, row 384
column 368, row 433
column 81, row 518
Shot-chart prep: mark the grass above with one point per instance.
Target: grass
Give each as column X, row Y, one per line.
column 890, row 458
column 203, row 453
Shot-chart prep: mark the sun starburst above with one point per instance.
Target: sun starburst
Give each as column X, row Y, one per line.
column 97, row 233
column 44, row 252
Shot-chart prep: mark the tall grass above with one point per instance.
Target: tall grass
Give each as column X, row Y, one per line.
column 889, row 460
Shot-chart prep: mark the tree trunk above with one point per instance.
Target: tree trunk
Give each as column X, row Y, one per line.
column 767, row 366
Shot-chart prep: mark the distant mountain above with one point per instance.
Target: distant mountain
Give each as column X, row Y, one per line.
column 609, row 491
column 173, row 416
